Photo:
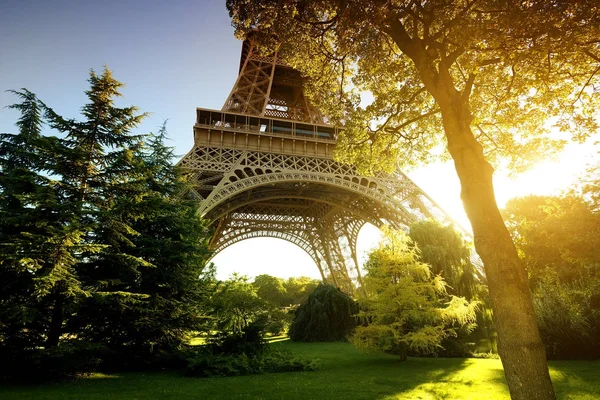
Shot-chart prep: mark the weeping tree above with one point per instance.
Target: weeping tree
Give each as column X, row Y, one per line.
column 481, row 77
column 448, row 255
column 326, row 316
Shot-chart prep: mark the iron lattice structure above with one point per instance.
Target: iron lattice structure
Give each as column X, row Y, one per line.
column 263, row 167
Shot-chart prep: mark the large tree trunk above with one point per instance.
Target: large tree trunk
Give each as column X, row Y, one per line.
column 519, row 343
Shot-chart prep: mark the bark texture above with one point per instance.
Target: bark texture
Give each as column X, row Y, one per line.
column 519, row 343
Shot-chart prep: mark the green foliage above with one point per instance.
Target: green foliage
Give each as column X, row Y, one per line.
column 248, row 341
column 39, row 234
column 208, row 365
column 557, row 233
column 236, row 305
column 558, row 239
column 569, row 316
column 284, row 292
column 279, row 321
column 492, row 57
column 405, row 306
column 447, row 254
column 299, row 289
column 243, row 353
column 96, row 242
column 327, row 316
column 271, row 290
column 160, row 303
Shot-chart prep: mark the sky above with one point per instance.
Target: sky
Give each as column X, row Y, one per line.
column 175, row 56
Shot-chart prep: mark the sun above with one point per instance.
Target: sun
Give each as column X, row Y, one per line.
column 547, row 177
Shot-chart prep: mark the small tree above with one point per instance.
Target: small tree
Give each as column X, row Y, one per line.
column 271, row 289
column 406, row 307
column 327, row 316
column 236, row 305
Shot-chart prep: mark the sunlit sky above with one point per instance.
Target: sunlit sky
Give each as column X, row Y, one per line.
column 175, row 56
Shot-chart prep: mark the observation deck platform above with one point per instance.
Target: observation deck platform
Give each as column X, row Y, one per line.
column 267, row 134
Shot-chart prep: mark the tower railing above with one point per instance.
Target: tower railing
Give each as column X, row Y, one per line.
column 214, row 119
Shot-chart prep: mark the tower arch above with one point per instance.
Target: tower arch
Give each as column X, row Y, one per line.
column 263, row 166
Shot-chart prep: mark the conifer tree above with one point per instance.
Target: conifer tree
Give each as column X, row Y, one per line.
column 37, row 236
column 405, row 306
column 156, row 306
column 96, row 241
column 98, row 170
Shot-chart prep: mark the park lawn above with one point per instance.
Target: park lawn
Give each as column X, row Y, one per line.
column 345, row 374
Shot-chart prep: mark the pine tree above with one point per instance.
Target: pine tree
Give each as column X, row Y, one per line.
column 173, row 238
column 97, row 170
column 37, row 238
column 97, row 242
column 154, row 306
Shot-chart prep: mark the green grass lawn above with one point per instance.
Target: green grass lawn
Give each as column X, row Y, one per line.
column 345, row 374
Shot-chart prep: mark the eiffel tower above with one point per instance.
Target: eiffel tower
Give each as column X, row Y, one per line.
column 263, row 166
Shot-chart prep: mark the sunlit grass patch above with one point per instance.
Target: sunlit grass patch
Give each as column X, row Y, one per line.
column 474, row 379
column 100, row 375
column 277, row 338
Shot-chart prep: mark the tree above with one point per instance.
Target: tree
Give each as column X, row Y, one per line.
column 299, row 288
column 155, row 307
column 448, row 255
column 560, row 233
column 98, row 170
column 406, row 306
column 237, row 305
column 271, row 289
column 558, row 238
column 487, row 74
column 326, row 316
column 39, row 235
column 96, row 242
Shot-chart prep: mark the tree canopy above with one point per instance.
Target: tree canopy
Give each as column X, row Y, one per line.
column 513, row 64
column 448, row 255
